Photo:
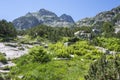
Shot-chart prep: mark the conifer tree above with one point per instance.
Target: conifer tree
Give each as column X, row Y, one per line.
column 104, row 69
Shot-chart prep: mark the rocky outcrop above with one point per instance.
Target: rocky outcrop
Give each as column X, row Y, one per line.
column 43, row 17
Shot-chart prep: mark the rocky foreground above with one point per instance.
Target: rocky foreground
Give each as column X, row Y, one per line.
column 12, row 51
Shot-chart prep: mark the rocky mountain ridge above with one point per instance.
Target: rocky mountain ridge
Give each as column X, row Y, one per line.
column 112, row 16
column 49, row 18
column 43, row 17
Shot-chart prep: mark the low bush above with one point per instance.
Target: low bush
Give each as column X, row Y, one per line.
column 39, row 54
column 2, row 58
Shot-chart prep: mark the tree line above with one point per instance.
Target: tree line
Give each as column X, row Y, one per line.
column 7, row 29
column 51, row 33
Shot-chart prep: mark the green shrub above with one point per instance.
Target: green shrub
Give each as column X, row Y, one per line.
column 38, row 54
column 112, row 44
column 2, row 58
column 62, row 53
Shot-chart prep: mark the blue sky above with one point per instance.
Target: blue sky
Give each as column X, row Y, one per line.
column 78, row 9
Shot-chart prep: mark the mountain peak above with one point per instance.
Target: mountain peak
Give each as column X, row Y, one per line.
column 28, row 14
column 43, row 10
column 45, row 17
column 46, row 12
column 67, row 18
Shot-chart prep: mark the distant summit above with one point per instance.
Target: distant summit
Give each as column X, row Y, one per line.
column 43, row 12
column 45, row 17
column 67, row 18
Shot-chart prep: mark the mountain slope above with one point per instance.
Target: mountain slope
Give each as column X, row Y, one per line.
column 25, row 22
column 43, row 17
column 112, row 16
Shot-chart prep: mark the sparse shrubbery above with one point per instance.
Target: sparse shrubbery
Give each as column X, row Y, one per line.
column 80, row 48
column 73, row 69
column 109, row 43
column 39, row 65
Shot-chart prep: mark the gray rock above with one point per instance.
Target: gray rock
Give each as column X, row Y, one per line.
column 43, row 17
column 66, row 18
column 67, row 44
column 82, row 35
column 106, row 16
column 25, row 22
